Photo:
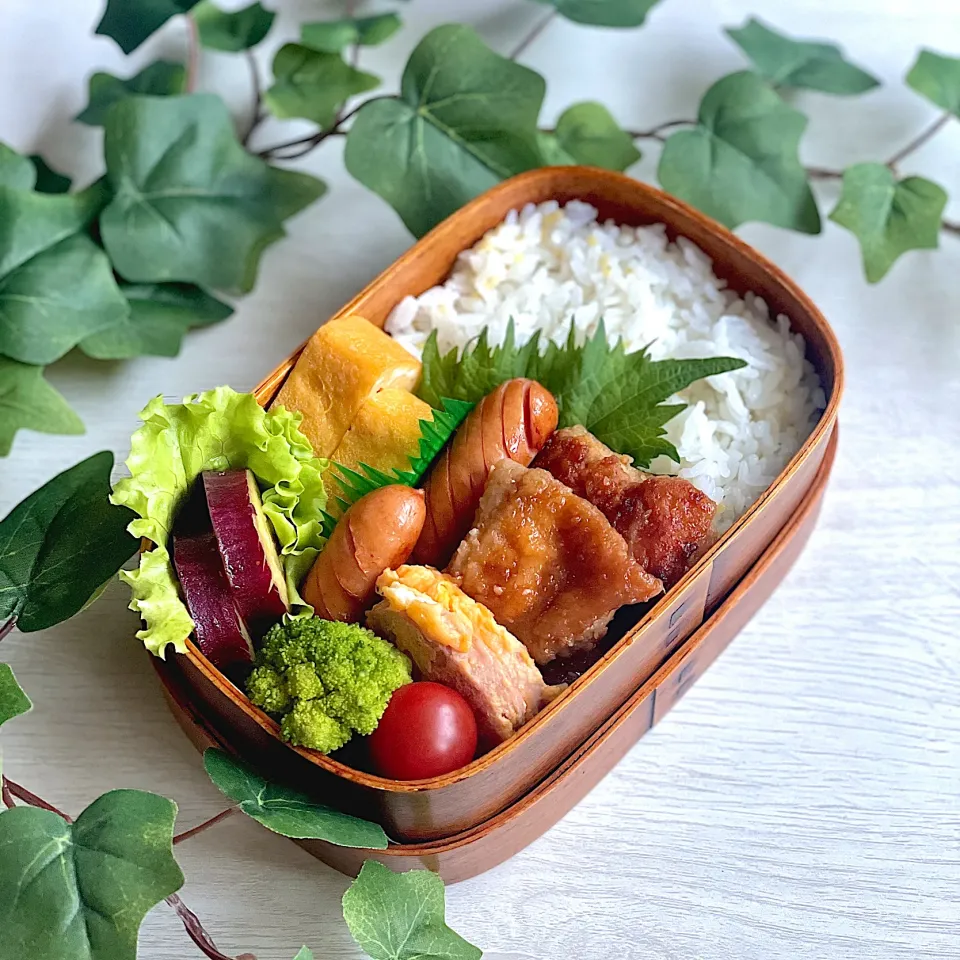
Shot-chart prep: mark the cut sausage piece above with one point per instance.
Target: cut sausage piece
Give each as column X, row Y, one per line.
column 247, row 547
column 221, row 635
column 511, row 423
column 455, row 641
column 376, row 533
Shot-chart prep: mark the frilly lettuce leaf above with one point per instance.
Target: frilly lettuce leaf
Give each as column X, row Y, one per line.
column 216, row 430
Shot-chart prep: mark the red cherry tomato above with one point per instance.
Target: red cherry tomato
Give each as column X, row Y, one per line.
column 427, row 730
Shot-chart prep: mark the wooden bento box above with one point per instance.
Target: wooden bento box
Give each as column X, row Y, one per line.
column 443, row 806
column 471, row 852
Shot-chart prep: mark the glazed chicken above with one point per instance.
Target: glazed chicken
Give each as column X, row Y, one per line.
column 547, row 563
column 665, row 520
column 455, row 641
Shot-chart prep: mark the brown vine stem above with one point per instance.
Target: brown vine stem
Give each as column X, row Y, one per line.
column 7, row 628
column 31, row 799
column 197, row 933
column 538, row 28
column 206, row 825
column 258, row 114
column 951, row 227
column 191, row 922
column 918, row 141
column 657, row 132
column 822, row 173
column 193, row 54
column 277, row 151
column 5, row 795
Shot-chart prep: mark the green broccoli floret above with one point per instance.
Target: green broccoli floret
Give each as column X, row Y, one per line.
column 309, row 725
column 303, row 683
column 266, row 689
column 325, row 680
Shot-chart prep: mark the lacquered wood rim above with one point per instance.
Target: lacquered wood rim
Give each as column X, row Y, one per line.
column 437, row 237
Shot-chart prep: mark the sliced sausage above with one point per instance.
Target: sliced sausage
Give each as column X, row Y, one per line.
column 511, row 423
column 376, row 533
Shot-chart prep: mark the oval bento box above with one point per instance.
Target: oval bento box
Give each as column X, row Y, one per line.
column 440, row 807
column 474, row 851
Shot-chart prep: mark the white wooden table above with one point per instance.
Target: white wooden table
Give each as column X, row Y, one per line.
column 804, row 801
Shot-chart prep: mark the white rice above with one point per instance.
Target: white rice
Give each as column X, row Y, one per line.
column 546, row 265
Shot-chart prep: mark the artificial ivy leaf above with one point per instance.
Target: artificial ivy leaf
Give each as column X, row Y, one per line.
column 400, row 916
column 56, row 284
column 28, row 402
column 741, row 161
column 190, row 204
column 313, row 85
column 938, row 79
column 588, row 134
column 48, row 179
column 160, row 316
column 130, row 22
column 805, row 64
column 334, row 36
column 285, row 811
column 465, row 119
column 604, row 13
column 80, row 891
column 13, row 701
column 304, row 954
column 551, row 153
column 888, row 217
column 16, row 170
column 232, row 32
column 160, row 79
column 60, row 544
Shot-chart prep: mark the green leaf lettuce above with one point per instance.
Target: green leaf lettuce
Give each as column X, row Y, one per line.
column 216, row 430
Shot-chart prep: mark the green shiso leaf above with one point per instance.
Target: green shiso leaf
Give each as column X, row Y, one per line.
column 617, row 396
column 480, row 368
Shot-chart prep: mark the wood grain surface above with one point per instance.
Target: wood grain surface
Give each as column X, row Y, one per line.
column 816, row 818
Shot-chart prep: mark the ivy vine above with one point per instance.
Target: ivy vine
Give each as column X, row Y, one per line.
column 187, row 206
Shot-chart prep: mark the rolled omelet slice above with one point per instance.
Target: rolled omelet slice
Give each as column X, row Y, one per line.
column 385, row 433
column 455, row 641
column 343, row 365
